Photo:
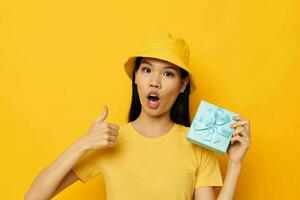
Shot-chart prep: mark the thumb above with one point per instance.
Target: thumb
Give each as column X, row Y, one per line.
column 102, row 117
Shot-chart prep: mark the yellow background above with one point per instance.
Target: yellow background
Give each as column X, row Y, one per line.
column 62, row 61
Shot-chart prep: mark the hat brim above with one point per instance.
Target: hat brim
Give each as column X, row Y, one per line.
column 159, row 54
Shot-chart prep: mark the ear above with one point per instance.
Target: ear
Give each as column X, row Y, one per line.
column 183, row 84
column 135, row 77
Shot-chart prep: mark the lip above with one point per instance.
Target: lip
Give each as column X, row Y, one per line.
column 152, row 104
column 153, row 93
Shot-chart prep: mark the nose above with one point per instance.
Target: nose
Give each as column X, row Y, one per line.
column 155, row 81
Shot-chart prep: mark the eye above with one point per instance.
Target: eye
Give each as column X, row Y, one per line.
column 170, row 74
column 145, row 68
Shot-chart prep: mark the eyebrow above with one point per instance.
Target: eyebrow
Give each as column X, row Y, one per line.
column 166, row 67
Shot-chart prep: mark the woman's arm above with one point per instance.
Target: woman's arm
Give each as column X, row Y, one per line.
column 45, row 184
column 240, row 143
column 231, row 178
column 228, row 189
column 58, row 175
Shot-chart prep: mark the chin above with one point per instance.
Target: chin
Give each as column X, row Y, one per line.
column 154, row 112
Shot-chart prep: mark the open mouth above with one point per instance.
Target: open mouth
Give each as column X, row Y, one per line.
column 153, row 98
column 153, row 101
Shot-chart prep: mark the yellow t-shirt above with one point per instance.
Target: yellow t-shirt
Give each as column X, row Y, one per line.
column 140, row 167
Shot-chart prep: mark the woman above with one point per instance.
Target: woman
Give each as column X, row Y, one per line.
column 149, row 157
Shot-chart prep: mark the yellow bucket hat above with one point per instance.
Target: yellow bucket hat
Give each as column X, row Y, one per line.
column 164, row 46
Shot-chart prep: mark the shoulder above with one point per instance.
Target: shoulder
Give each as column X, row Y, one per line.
column 182, row 129
column 181, row 133
column 199, row 150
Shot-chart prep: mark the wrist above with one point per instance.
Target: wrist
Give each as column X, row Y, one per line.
column 81, row 145
column 235, row 164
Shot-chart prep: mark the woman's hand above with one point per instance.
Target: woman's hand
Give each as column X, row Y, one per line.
column 101, row 134
column 240, row 140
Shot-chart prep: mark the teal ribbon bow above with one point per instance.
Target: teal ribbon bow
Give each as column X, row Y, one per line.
column 213, row 123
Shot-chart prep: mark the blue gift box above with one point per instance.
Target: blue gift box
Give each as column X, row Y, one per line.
column 210, row 127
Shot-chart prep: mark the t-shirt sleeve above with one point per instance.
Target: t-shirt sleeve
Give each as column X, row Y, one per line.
column 87, row 166
column 208, row 169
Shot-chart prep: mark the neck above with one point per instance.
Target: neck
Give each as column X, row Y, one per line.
column 153, row 125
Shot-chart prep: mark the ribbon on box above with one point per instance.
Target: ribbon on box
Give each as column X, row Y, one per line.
column 213, row 123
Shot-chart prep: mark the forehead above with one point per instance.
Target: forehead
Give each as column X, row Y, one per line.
column 159, row 63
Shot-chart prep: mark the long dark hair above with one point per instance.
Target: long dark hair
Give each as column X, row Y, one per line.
column 180, row 109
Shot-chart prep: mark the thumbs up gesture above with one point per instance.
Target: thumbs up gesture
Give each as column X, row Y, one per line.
column 101, row 134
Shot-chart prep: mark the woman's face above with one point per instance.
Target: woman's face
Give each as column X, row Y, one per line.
column 161, row 79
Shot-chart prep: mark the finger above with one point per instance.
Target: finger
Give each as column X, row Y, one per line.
column 113, row 132
column 111, row 138
column 239, row 131
column 244, row 130
column 240, row 123
column 113, row 126
column 111, row 143
column 238, row 117
column 103, row 115
column 243, row 141
column 236, row 138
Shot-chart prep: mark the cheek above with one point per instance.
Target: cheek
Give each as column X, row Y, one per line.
column 172, row 92
column 141, row 88
column 141, row 83
column 140, row 78
column 172, row 87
